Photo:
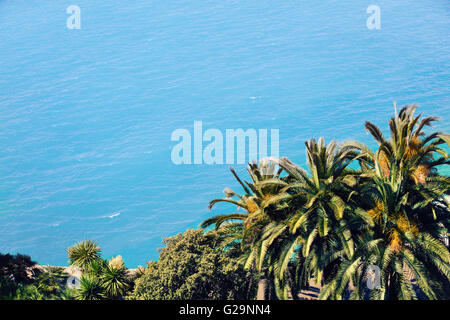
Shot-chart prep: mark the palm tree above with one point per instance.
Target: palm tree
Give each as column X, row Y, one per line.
column 241, row 232
column 336, row 222
column 404, row 242
column 296, row 212
column 408, row 148
column 83, row 253
column 325, row 215
column 405, row 198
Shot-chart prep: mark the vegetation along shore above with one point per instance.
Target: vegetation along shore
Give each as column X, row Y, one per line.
column 355, row 224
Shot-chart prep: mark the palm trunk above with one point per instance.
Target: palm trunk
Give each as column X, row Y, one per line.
column 263, row 287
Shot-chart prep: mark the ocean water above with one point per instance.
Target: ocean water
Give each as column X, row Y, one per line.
column 86, row 115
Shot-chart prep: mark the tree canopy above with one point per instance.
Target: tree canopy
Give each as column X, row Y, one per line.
column 191, row 266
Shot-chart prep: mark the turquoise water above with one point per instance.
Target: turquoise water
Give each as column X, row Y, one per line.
column 86, row 115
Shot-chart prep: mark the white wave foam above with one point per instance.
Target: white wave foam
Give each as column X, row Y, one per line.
column 115, row 214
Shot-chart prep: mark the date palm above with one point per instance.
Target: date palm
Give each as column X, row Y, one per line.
column 408, row 148
column 405, row 197
column 302, row 212
column 403, row 243
column 336, row 222
column 260, row 194
column 241, row 232
column 325, row 216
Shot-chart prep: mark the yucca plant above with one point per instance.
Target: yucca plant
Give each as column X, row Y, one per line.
column 101, row 279
column 91, row 288
column 83, row 253
column 114, row 278
column 96, row 267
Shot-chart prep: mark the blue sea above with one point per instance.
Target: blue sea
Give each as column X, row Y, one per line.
column 86, row 115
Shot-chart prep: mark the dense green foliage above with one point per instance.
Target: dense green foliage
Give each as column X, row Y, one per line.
column 14, row 269
column 192, row 267
column 22, row 279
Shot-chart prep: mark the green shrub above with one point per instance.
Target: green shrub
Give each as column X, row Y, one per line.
column 192, row 267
